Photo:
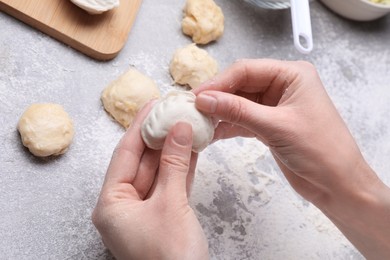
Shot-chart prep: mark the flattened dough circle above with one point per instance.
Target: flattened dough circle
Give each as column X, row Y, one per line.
column 192, row 66
column 126, row 95
column 203, row 21
column 46, row 129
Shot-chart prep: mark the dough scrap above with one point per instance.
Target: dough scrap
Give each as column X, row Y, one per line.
column 192, row 66
column 46, row 129
column 123, row 98
column 203, row 21
column 96, row 6
column 176, row 106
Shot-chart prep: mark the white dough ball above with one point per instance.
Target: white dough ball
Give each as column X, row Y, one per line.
column 192, row 66
column 125, row 96
column 46, row 129
column 203, row 21
column 176, row 106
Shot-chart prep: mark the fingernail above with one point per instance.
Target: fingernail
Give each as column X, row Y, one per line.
column 182, row 133
column 206, row 103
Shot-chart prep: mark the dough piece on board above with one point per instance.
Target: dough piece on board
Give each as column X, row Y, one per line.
column 96, row 6
column 126, row 95
column 176, row 106
column 203, row 21
column 46, row 129
column 192, row 66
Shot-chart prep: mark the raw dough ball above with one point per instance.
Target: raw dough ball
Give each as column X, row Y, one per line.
column 46, row 129
column 176, row 106
column 128, row 94
column 96, row 6
column 203, row 21
column 192, row 66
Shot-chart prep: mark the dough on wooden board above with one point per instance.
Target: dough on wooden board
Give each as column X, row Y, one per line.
column 46, row 129
column 176, row 106
column 203, row 21
column 96, row 6
column 125, row 96
column 192, row 66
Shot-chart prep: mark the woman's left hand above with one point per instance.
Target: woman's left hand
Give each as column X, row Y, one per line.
column 143, row 211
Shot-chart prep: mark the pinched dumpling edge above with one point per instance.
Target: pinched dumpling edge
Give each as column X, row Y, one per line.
column 177, row 106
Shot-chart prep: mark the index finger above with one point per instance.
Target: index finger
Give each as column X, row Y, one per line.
column 269, row 78
column 127, row 155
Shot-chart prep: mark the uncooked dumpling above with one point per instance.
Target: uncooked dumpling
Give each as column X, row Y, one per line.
column 176, row 106
column 203, row 21
column 192, row 66
column 46, row 129
column 96, row 6
column 127, row 94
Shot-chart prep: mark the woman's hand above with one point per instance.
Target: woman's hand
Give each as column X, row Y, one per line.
column 285, row 105
column 143, row 211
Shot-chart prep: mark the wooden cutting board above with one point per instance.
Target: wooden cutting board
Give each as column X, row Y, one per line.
column 98, row 36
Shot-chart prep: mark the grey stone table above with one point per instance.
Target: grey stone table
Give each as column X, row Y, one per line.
column 243, row 202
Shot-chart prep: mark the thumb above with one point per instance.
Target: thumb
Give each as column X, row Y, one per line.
column 261, row 120
column 175, row 162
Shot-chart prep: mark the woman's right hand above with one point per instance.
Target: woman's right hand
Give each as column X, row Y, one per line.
column 284, row 104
